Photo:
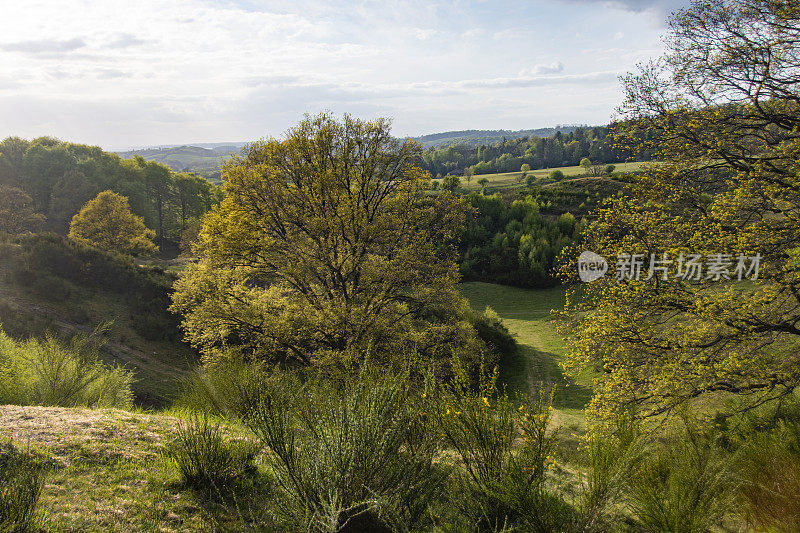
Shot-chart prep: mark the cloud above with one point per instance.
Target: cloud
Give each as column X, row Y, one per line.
column 126, row 40
column 44, row 46
column 659, row 10
column 423, row 34
column 541, row 70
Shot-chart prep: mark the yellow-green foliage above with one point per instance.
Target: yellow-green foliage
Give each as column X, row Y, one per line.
column 51, row 372
column 107, row 223
column 507, row 451
column 327, row 248
column 729, row 183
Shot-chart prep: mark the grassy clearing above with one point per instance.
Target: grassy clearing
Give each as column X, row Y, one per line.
column 109, row 473
column 526, row 313
column 512, row 179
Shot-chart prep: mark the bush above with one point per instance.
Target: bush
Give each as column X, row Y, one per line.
column 207, row 461
column 770, row 471
column 612, row 455
column 51, row 372
column 351, row 455
column 503, row 482
column 685, row 484
column 494, row 333
column 21, row 480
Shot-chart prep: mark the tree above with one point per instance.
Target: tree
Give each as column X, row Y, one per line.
column 450, row 183
column 524, row 169
column 610, row 169
column 16, row 212
column 107, row 223
column 160, row 190
column 468, row 173
column 483, row 182
column 721, row 109
column 586, row 163
column 530, row 180
column 556, row 175
column 326, row 250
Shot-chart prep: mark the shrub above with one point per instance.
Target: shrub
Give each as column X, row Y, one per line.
column 612, row 455
column 350, row 455
column 556, row 175
column 770, row 471
column 51, row 372
column 685, row 484
column 494, row 333
column 21, row 480
column 206, row 460
column 507, row 454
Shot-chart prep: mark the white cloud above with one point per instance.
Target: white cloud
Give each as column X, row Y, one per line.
column 539, row 70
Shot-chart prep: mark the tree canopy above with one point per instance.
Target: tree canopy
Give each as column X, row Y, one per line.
column 16, row 211
column 327, row 249
column 107, row 223
column 724, row 102
column 61, row 177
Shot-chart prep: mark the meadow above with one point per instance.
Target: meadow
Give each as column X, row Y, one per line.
column 508, row 180
column 527, row 314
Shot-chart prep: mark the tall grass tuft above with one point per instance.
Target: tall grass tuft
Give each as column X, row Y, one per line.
column 206, row 460
column 22, row 477
column 349, row 455
column 65, row 374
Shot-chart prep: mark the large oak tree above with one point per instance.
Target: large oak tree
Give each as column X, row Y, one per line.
column 327, row 249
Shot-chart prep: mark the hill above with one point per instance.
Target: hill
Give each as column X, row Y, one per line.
column 49, row 284
column 207, row 158
column 475, row 138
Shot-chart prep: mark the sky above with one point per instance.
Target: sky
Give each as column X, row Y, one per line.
column 122, row 74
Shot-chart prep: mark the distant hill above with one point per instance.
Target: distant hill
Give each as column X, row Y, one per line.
column 476, row 138
column 206, row 159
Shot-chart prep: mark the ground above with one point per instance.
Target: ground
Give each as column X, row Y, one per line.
column 107, row 471
column 512, row 179
column 527, row 314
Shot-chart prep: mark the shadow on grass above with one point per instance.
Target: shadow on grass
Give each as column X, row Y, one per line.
column 530, row 367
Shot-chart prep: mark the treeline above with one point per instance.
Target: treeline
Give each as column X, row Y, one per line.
column 514, row 242
column 61, row 177
column 559, row 150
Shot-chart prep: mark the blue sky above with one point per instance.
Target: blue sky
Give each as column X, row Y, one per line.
column 120, row 73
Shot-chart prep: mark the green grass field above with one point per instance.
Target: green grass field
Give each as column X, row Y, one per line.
column 527, row 315
column 512, row 179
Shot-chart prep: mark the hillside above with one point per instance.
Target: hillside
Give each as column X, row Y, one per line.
column 106, row 471
column 475, row 138
column 48, row 284
column 206, row 159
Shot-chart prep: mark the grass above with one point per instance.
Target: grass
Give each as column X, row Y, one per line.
column 109, row 472
column 511, row 179
column 526, row 313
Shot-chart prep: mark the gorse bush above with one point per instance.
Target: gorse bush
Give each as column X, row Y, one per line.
column 349, row 455
column 507, row 453
column 55, row 373
column 611, row 455
column 770, row 471
column 684, row 484
column 206, row 460
column 22, row 477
